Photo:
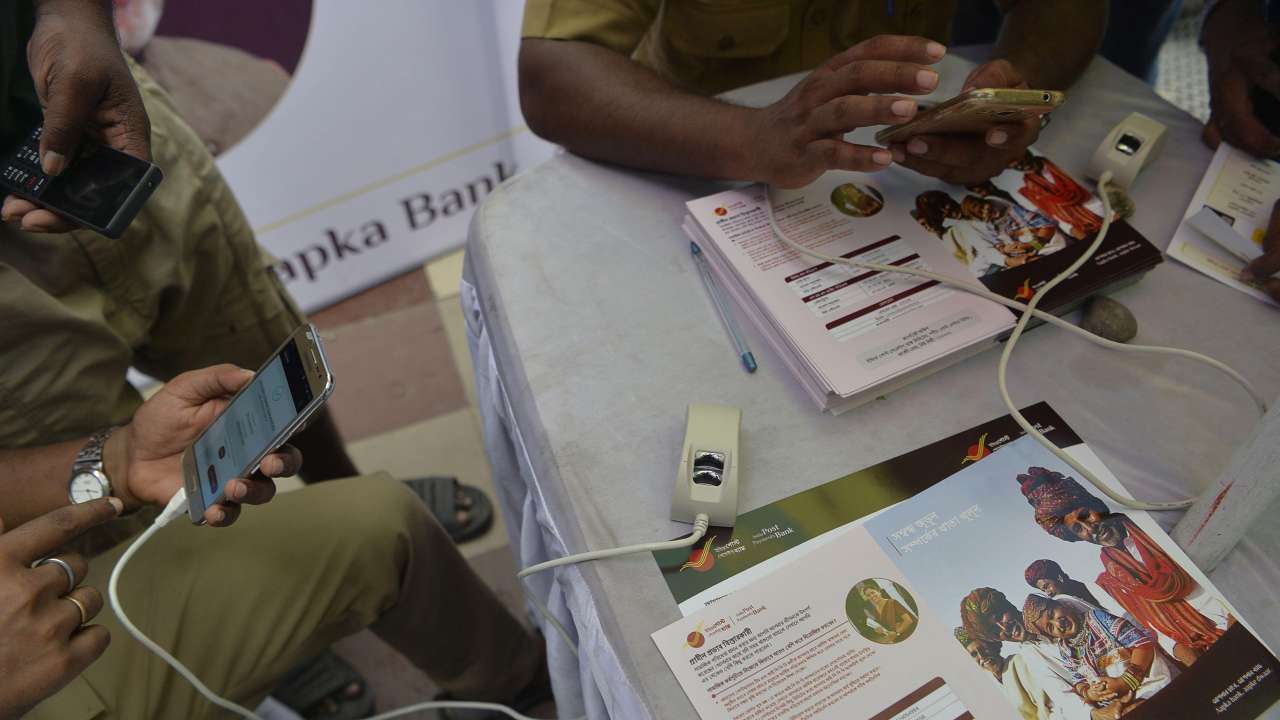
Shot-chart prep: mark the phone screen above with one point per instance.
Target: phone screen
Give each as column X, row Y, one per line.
column 251, row 424
column 96, row 185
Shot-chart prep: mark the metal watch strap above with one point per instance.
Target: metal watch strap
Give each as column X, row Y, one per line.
column 90, row 456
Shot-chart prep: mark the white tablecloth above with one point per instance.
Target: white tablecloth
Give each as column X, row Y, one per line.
column 591, row 333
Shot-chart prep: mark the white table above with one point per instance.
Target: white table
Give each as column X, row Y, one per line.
column 591, row 332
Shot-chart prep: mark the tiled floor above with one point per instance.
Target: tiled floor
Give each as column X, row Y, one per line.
column 404, row 404
column 1182, row 78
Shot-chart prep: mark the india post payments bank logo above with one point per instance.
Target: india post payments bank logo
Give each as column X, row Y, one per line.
column 701, row 559
column 695, row 639
column 978, row 451
column 721, row 211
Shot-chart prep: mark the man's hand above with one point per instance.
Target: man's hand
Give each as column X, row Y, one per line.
column 1238, row 45
column 85, row 88
column 971, row 159
column 802, row 135
column 1264, row 269
column 45, row 645
column 145, row 457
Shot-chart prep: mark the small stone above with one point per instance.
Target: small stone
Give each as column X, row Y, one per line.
column 1108, row 318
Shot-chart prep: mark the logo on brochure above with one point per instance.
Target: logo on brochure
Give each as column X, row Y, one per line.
column 722, row 211
column 701, row 559
column 695, row 639
column 1025, row 292
column 978, row 451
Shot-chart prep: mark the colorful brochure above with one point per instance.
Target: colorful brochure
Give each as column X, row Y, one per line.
column 850, row 335
column 771, row 536
column 1009, row 590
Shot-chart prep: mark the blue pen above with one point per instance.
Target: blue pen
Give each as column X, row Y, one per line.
column 704, row 269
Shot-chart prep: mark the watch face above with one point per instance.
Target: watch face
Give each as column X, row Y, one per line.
column 87, row 486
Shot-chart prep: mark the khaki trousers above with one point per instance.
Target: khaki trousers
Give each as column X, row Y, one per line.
column 242, row 605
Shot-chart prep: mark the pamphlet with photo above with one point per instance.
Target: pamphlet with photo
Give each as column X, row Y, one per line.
column 1009, row 590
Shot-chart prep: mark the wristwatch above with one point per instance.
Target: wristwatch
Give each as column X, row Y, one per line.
column 88, row 478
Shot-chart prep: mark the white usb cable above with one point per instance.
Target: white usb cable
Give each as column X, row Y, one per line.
column 178, row 507
column 1027, row 312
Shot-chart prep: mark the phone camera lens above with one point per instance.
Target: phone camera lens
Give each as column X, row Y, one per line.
column 1048, row 97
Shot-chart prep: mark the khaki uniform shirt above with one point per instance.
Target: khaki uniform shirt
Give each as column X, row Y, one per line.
column 709, row 46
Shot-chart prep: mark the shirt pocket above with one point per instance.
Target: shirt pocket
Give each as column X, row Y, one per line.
column 726, row 29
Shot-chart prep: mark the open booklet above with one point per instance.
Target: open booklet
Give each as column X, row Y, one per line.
column 1239, row 192
column 851, row 335
column 779, row 533
column 1008, row 590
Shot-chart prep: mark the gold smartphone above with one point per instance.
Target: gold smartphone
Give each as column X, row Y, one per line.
column 974, row 112
column 286, row 391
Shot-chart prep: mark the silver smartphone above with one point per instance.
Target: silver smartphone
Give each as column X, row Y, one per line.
column 286, row 391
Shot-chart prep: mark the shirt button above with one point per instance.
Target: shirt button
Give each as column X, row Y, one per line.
column 727, row 42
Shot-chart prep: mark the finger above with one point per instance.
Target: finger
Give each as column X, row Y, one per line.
column 130, row 129
column 1272, row 288
column 70, row 100
column 87, row 644
column 1271, row 241
column 1259, row 69
column 42, row 536
column 222, row 514
column 848, row 112
column 41, row 220
column 15, row 207
column 1265, row 266
column 251, row 492
column 68, row 618
column 53, row 578
column 1212, row 135
column 211, row 383
column 840, row 155
column 879, row 76
column 905, row 48
column 995, row 74
column 1014, row 137
column 285, row 461
column 1234, row 111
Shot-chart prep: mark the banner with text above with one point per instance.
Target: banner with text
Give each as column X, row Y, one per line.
column 358, row 137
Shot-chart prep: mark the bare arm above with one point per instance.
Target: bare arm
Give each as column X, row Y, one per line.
column 612, row 108
column 1052, row 41
column 600, row 104
column 33, row 481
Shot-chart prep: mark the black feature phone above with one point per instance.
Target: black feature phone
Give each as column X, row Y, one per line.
column 102, row 189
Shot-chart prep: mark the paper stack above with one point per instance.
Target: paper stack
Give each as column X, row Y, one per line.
column 850, row 335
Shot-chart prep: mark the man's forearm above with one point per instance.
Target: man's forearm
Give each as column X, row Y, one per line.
column 602, row 105
column 1052, row 41
column 34, row 481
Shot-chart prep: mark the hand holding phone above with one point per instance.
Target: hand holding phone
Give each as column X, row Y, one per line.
column 968, row 158
column 974, row 112
column 144, row 458
column 285, row 392
column 101, row 188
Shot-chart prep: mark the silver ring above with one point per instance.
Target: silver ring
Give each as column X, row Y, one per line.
column 66, row 568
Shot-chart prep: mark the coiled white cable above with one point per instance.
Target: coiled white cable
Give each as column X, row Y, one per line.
column 178, row 506
column 1027, row 312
